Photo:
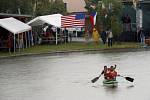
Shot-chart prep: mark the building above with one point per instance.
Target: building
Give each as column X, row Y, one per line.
column 139, row 18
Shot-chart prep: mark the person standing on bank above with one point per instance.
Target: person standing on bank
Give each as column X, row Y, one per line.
column 142, row 36
column 110, row 38
column 104, row 36
column 95, row 36
column 65, row 32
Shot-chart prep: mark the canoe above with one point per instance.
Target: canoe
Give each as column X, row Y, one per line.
column 110, row 83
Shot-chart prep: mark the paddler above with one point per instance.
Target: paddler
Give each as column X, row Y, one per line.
column 105, row 72
column 112, row 74
column 109, row 73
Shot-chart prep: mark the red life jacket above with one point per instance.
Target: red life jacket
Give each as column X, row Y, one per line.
column 110, row 74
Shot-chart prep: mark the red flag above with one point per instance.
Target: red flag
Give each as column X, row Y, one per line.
column 93, row 18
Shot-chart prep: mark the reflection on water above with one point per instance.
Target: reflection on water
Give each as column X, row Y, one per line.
column 130, row 86
column 68, row 76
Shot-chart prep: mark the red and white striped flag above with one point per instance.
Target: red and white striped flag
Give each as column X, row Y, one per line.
column 77, row 20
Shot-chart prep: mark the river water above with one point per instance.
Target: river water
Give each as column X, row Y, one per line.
column 68, row 76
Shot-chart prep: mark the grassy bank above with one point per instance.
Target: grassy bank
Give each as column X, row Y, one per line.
column 69, row 47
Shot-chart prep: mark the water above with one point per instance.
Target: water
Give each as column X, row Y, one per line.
column 68, row 76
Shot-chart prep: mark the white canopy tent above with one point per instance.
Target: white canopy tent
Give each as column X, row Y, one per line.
column 14, row 26
column 54, row 20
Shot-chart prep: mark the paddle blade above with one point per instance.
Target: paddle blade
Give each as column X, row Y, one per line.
column 95, row 79
column 129, row 79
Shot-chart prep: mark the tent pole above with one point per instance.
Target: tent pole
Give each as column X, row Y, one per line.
column 29, row 39
column 32, row 38
column 76, row 34
column 19, row 42
column 14, row 44
column 56, row 36
column 26, row 39
column 23, row 39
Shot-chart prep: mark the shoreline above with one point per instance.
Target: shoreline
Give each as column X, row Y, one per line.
column 106, row 50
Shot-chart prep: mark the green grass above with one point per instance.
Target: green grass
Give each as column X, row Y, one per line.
column 69, row 47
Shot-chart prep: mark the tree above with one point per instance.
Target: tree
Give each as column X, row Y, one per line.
column 16, row 6
column 32, row 7
column 48, row 7
column 57, row 6
column 41, row 7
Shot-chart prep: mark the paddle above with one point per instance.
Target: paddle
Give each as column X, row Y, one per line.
column 95, row 79
column 128, row 78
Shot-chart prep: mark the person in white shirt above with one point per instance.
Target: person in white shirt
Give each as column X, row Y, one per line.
column 110, row 38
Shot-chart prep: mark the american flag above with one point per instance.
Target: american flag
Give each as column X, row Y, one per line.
column 77, row 20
